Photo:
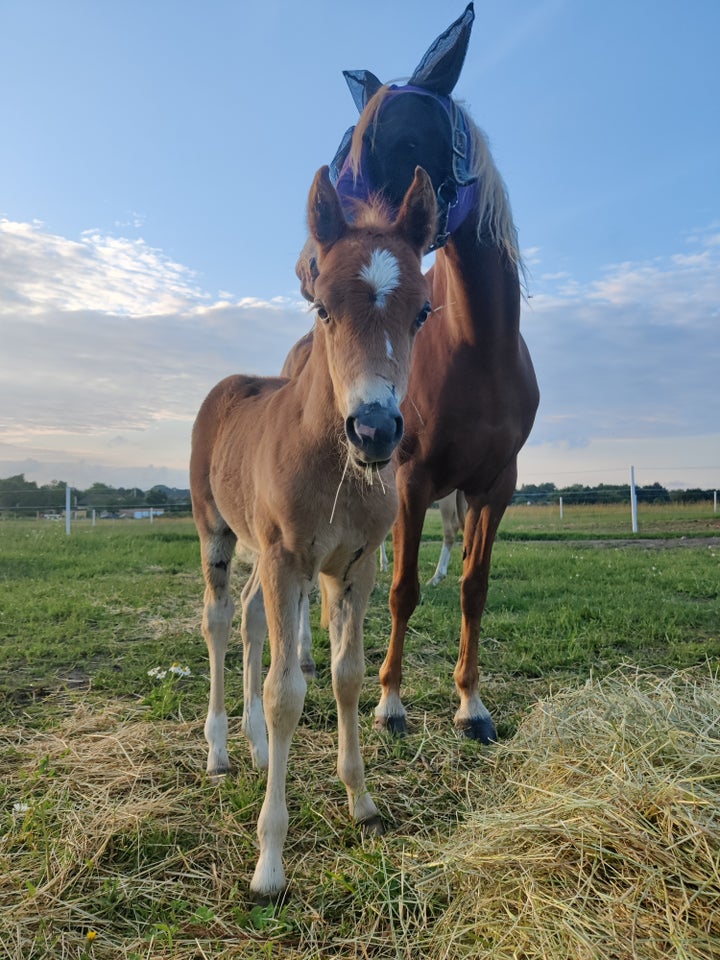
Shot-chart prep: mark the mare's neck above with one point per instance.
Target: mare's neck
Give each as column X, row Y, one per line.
column 478, row 286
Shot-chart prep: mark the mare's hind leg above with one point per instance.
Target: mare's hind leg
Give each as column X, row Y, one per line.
column 253, row 630
column 347, row 603
column 217, row 546
column 390, row 713
column 451, row 523
column 481, row 524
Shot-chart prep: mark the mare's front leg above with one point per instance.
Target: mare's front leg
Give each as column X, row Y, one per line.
column 481, row 525
column 390, row 713
column 347, row 600
column 217, row 548
column 284, row 695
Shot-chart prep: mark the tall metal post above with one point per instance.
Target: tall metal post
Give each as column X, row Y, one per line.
column 633, row 501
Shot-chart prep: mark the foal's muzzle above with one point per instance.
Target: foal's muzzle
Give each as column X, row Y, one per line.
column 374, row 430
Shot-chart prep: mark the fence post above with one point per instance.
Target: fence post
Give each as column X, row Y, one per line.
column 561, row 508
column 67, row 510
column 633, row 501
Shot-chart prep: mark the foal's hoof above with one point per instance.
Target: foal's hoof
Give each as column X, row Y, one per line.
column 218, row 775
column 373, row 826
column 267, row 899
column 309, row 670
column 395, row 726
column 478, row 728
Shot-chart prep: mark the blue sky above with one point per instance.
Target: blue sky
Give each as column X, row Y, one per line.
column 155, row 159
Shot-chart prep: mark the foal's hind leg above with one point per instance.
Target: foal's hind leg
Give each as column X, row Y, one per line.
column 217, row 550
column 253, row 630
column 307, row 664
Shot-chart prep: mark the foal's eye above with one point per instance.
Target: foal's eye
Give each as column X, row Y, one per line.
column 321, row 312
column 423, row 315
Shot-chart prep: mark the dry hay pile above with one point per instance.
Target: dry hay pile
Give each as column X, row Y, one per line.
column 593, row 833
column 601, row 837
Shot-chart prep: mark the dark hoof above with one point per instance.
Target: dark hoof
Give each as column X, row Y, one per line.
column 373, row 827
column 478, row 728
column 309, row 670
column 395, row 726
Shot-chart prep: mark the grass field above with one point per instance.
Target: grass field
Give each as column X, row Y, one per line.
column 113, row 843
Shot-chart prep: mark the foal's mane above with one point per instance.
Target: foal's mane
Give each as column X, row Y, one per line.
column 495, row 219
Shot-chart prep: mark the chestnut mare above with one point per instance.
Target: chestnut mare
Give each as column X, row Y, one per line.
column 297, row 472
column 472, row 393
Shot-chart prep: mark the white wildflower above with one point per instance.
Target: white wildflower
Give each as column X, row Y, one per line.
column 179, row 671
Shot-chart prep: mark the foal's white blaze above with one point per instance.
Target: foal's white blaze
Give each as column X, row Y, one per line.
column 382, row 274
column 389, row 347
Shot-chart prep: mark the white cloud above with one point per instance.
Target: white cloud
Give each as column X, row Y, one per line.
column 109, row 348
column 109, row 338
column 634, row 353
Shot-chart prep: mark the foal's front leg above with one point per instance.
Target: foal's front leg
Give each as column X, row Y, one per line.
column 347, row 603
column 284, row 695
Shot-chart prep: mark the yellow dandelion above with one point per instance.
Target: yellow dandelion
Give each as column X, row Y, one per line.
column 91, row 934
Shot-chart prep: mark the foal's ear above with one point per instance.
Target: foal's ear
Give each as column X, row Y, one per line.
column 417, row 220
column 326, row 219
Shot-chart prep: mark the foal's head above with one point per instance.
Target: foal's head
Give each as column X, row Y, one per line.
column 370, row 300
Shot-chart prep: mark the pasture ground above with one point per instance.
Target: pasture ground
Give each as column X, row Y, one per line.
column 598, row 661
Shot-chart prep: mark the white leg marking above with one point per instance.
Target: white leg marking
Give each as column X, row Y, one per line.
column 217, row 619
column 442, row 567
column 216, row 730
column 471, row 708
column 389, row 707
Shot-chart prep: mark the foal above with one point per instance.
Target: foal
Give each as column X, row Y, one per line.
column 297, row 471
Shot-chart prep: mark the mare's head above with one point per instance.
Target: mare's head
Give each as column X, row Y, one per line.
column 371, row 298
column 418, row 124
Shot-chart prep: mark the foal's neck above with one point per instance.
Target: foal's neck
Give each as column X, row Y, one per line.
column 320, row 418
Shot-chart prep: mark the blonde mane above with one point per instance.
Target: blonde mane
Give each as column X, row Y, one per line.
column 494, row 214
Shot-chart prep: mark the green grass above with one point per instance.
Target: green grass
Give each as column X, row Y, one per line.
column 95, row 611
column 106, row 819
